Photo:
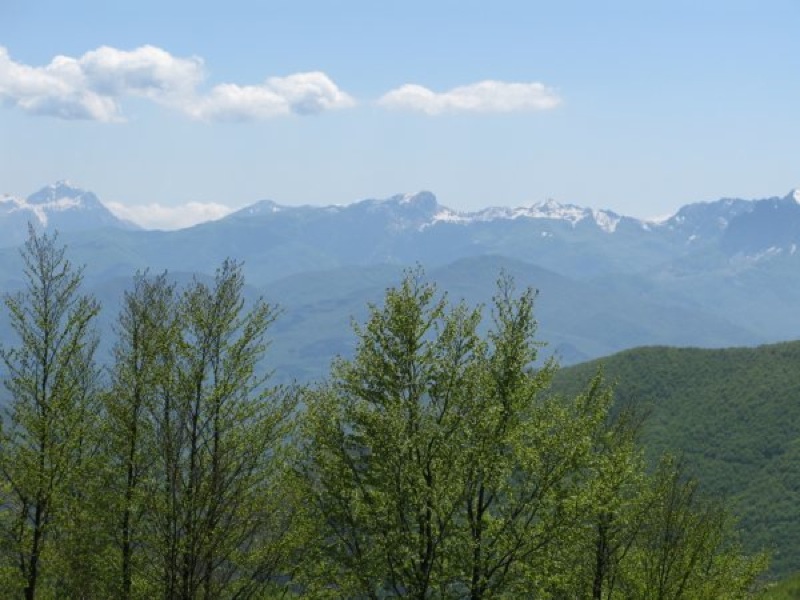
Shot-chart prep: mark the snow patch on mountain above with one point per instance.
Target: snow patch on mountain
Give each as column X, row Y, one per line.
column 263, row 207
column 549, row 210
column 40, row 210
column 743, row 259
column 607, row 221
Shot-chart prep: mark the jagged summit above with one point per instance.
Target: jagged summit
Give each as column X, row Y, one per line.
column 65, row 206
column 59, row 206
column 60, row 196
column 58, row 190
column 421, row 210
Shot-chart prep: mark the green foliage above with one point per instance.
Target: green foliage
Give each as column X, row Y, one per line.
column 170, row 482
column 685, row 549
column 148, row 331
column 734, row 417
column 46, row 443
column 196, row 440
column 439, row 466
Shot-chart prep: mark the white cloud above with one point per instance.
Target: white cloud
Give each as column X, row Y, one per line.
column 158, row 216
column 484, row 96
column 91, row 87
column 301, row 93
column 59, row 89
column 310, row 93
column 147, row 71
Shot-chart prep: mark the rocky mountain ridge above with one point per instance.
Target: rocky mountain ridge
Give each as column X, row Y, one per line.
column 714, row 274
column 68, row 208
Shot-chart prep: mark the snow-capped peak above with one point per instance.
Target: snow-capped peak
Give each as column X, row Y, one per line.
column 794, row 195
column 77, row 208
column 57, row 191
column 57, row 197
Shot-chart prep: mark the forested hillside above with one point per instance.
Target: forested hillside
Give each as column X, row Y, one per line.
column 734, row 414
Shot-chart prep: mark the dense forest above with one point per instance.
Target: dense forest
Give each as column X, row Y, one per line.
column 733, row 415
column 436, row 462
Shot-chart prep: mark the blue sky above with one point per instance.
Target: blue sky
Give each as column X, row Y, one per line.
column 168, row 108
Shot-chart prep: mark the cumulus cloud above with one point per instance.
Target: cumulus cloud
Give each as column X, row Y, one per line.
column 484, row 96
column 301, row 93
column 92, row 86
column 147, row 71
column 158, row 216
column 59, row 89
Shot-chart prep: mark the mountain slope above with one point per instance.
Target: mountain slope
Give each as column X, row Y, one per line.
column 735, row 416
column 577, row 319
column 771, row 225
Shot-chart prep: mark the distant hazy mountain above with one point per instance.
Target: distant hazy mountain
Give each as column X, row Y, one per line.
column 714, row 274
column 60, row 207
column 771, row 225
column 569, row 239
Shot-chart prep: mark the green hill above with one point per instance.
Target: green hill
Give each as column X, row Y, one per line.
column 734, row 414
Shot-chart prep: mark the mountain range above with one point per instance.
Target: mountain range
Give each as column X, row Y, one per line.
column 714, row 274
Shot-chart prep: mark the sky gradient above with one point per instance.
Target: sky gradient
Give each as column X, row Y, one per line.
column 182, row 109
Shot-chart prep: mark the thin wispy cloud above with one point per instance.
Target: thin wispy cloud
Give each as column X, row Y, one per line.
column 92, row 86
column 159, row 216
column 482, row 97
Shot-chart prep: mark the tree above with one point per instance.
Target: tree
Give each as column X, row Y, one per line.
column 144, row 359
column 618, row 500
column 436, row 463
column 527, row 456
column 52, row 381
column 653, row 535
column 218, row 514
column 685, row 548
column 383, row 463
